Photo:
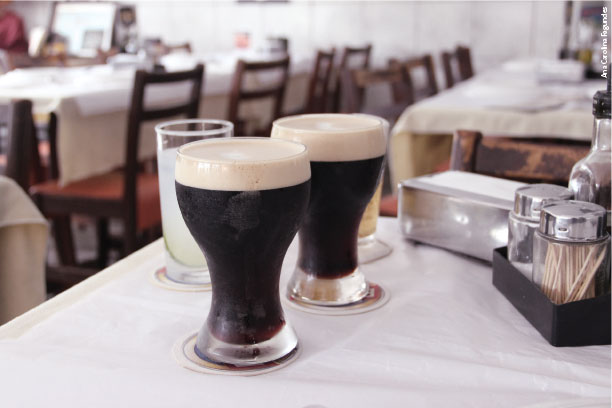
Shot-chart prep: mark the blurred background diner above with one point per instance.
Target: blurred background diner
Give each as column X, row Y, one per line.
column 84, row 83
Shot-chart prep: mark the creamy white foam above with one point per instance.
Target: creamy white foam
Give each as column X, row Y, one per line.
column 242, row 164
column 334, row 137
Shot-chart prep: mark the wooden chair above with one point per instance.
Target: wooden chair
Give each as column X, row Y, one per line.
column 23, row 163
column 408, row 68
column 240, row 94
column 352, row 58
column 127, row 194
column 318, row 88
column 457, row 65
column 355, row 82
column 531, row 160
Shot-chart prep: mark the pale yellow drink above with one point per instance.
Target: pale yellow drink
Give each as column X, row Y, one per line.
column 367, row 227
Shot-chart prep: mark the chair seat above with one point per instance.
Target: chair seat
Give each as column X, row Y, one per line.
column 104, row 192
column 388, row 206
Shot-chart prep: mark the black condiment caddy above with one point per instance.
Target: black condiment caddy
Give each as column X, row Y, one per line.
column 581, row 323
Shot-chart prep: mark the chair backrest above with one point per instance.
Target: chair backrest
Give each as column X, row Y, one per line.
column 352, row 58
column 529, row 160
column 356, row 81
column 408, row 68
column 355, row 53
column 23, row 162
column 460, row 58
column 275, row 91
column 138, row 114
column 318, row 87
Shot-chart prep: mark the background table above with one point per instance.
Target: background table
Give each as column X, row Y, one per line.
column 510, row 101
column 92, row 103
column 447, row 337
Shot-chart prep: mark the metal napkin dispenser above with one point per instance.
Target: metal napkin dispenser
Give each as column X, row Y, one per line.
column 460, row 211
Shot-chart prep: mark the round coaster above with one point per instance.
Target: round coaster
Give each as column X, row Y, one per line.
column 161, row 279
column 184, row 353
column 375, row 298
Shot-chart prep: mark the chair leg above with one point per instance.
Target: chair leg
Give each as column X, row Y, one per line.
column 63, row 240
column 103, row 242
column 130, row 237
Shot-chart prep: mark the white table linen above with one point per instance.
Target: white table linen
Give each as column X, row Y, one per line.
column 447, row 337
column 23, row 248
column 512, row 100
column 92, row 102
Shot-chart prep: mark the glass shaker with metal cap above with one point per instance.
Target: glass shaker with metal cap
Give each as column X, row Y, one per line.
column 571, row 253
column 590, row 176
column 524, row 220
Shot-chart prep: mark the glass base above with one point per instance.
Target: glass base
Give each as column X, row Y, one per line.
column 370, row 249
column 184, row 352
column 216, row 351
column 159, row 277
column 327, row 292
column 184, row 274
column 377, row 297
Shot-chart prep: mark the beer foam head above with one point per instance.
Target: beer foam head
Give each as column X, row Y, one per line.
column 242, row 164
column 334, row 137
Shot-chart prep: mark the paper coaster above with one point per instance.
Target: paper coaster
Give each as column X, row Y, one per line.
column 184, row 353
column 375, row 298
column 161, row 279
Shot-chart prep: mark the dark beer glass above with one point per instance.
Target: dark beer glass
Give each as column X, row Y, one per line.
column 243, row 200
column 346, row 157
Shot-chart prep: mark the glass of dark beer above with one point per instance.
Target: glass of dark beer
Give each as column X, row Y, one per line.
column 243, row 200
column 346, row 157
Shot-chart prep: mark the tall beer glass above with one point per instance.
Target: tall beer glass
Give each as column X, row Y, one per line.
column 369, row 247
column 184, row 260
column 243, row 200
column 346, row 157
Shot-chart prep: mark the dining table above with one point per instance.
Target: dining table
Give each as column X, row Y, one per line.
column 532, row 98
column 92, row 102
column 446, row 338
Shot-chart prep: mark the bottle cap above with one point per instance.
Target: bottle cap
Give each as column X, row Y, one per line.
column 573, row 221
column 601, row 101
column 528, row 200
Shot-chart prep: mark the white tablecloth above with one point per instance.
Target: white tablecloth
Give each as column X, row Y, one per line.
column 512, row 100
column 91, row 104
column 23, row 248
column 446, row 338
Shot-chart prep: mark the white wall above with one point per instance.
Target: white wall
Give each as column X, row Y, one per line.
column 496, row 31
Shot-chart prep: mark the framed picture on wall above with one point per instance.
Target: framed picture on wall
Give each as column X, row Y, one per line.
column 84, row 27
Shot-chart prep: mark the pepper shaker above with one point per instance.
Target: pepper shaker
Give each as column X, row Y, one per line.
column 524, row 220
column 571, row 253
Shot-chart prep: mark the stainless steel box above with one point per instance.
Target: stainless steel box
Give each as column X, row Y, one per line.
column 459, row 211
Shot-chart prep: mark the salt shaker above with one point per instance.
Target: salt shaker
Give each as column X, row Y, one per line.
column 524, row 220
column 571, row 252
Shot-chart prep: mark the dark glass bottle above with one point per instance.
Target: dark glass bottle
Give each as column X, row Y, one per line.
column 590, row 176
